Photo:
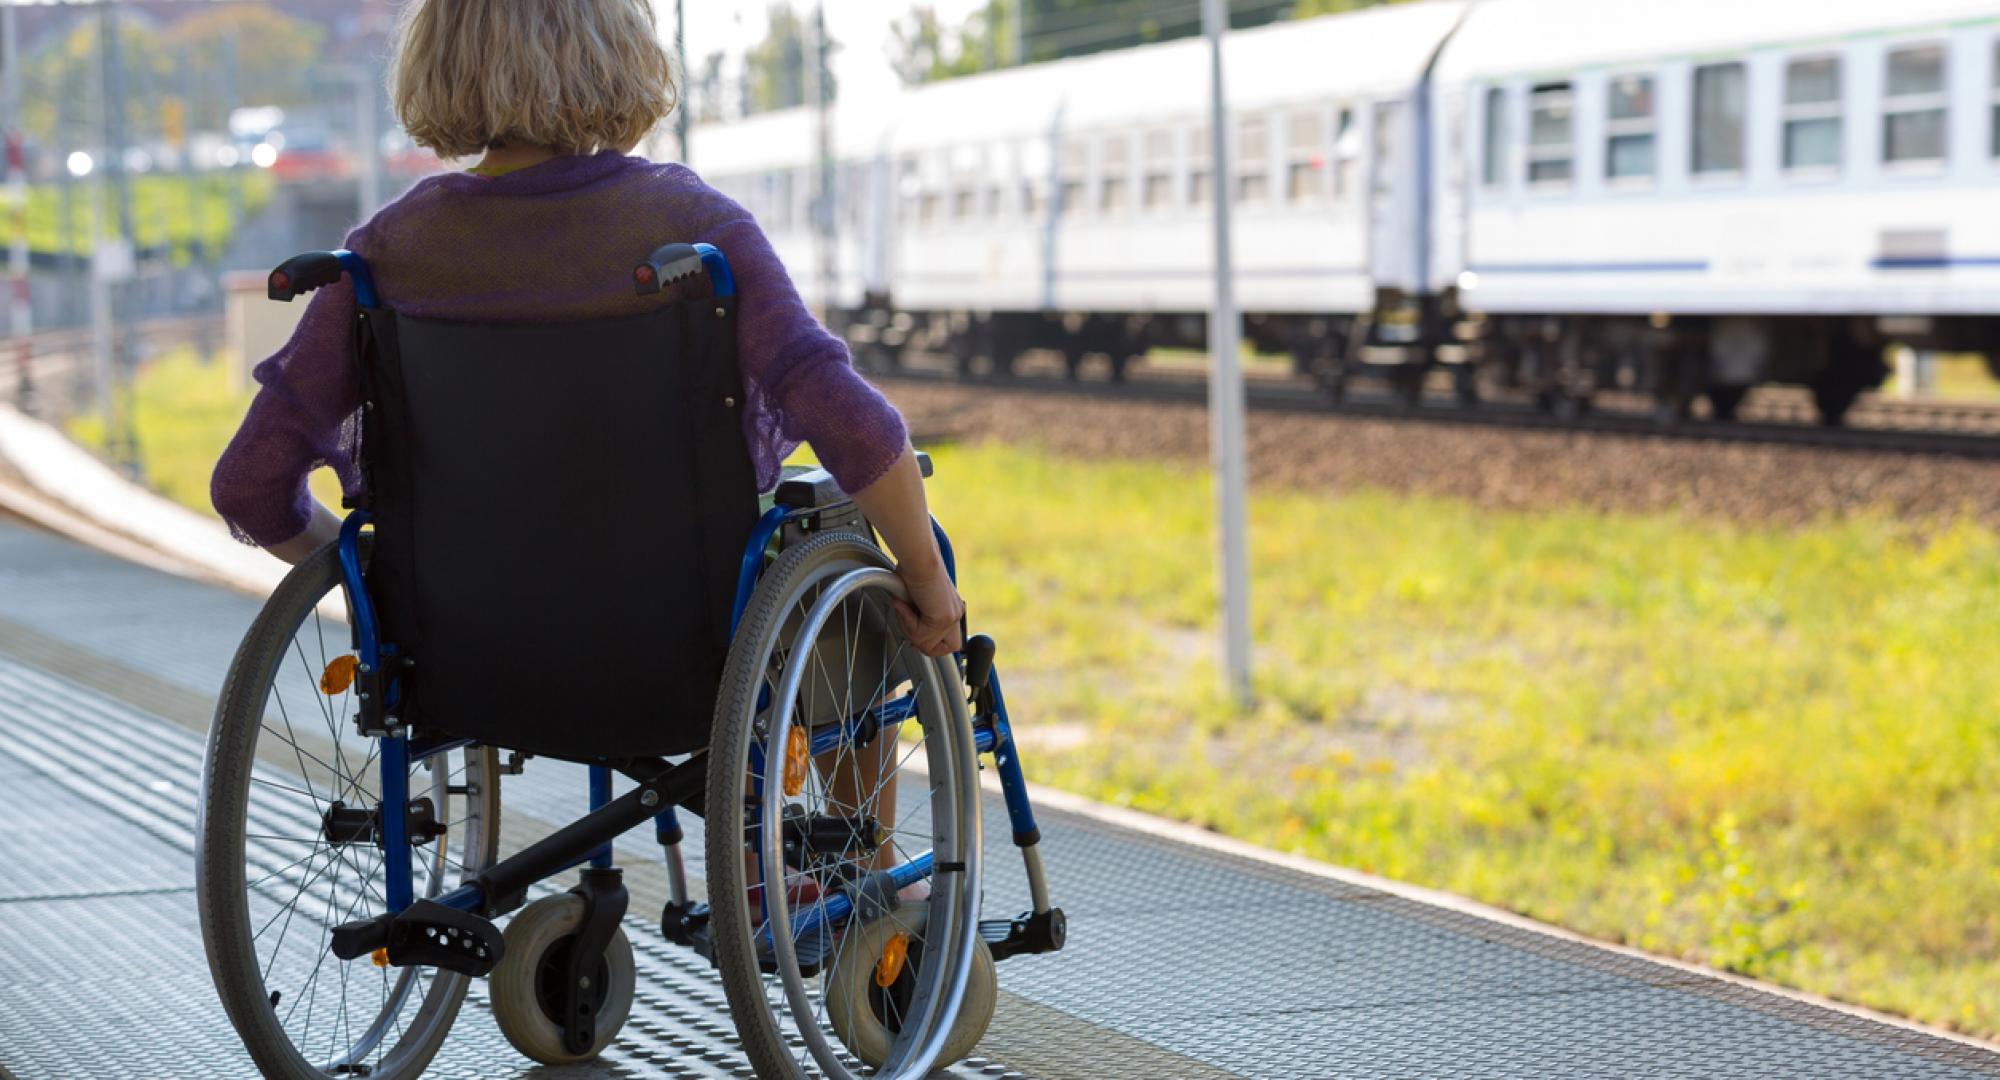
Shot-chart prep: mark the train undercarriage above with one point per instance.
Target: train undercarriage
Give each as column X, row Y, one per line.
column 1562, row 363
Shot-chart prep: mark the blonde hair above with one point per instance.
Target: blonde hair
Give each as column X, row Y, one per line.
column 576, row 76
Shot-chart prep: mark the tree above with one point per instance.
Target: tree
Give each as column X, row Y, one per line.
column 272, row 53
column 275, row 53
column 925, row 50
column 64, row 77
column 775, row 71
column 707, row 99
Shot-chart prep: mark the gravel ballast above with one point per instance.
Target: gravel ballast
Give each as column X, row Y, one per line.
column 1491, row 467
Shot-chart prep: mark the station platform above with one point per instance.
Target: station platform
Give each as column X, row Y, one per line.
column 1185, row 960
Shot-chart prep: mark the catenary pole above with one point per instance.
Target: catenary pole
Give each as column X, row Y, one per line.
column 1225, row 386
column 687, row 80
column 21, row 318
column 820, row 91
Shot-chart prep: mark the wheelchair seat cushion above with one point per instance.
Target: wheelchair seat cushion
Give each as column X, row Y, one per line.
column 560, row 510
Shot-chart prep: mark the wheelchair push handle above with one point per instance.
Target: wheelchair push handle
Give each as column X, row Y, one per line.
column 318, row 269
column 677, row 262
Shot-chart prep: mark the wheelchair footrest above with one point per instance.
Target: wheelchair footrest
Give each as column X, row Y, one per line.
column 686, row 924
column 425, row 933
column 1031, row 933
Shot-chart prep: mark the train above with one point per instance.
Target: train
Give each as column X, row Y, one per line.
column 1559, row 197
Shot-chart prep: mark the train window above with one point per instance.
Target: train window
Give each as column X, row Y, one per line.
column 1159, row 190
column 1628, row 146
column 1198, row 155
column 1305, row 157
column 861, row 193
column 1913, row 106
column 1075, row 160
column 1719, row 101
column 1994, row 138
column 1812, row 113
column 1114, row 182
column 1493, row 164
column 1549, row 121
column 907, row 187
column 1346, row 152
column 1034, row 176
column 1253, row 160
column 968, row 165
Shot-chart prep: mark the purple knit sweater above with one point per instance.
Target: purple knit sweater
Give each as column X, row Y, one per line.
column 553, row 242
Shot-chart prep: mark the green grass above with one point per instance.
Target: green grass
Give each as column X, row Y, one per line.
column 164, row 210
column 1762, row 749
column 184, row 413
column 1965, row 376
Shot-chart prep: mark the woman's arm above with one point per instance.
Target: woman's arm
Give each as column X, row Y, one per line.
column 324, row 529
column 895, row 505
column 858, row 436
column 302, row 417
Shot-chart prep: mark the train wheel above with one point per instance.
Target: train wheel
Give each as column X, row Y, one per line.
column 1723, row 401
column 1336, row 386
column 1465, row 385
column 1566, row 407
column 1833, row 396
column 1670, row 407
column 1407, row 380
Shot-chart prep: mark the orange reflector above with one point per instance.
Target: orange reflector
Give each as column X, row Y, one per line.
column 891, row 965
column 338, row 676
column 797, row 745
column 380, row 957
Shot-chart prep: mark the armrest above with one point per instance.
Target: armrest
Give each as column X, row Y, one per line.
column 817, row 487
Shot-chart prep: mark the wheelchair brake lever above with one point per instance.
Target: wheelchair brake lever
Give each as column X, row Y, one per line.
column 979, row 652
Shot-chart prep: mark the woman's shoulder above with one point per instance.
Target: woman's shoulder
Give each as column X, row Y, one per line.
column 673, row 179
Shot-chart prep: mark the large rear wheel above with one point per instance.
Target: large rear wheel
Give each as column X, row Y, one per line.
column 851, row 757
column 289, row 848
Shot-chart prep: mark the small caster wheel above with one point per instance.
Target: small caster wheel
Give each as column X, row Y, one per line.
column 526, row 990
column 867, row 1016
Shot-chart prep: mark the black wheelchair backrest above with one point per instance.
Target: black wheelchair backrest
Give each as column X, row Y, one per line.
column 559, row 513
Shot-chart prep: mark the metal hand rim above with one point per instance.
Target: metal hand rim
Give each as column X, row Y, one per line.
column 963, row 929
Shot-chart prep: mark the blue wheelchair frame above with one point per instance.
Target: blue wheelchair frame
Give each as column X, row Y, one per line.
column 992, row 732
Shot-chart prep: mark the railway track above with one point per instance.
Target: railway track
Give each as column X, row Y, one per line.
column 1772, row 415
column 58, row 361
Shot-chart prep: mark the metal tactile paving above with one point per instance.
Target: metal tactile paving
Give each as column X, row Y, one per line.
column 1183, row 963
column 110, row 979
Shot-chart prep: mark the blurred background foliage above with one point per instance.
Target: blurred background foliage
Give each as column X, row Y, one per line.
column 193, row 62
column 929, row 49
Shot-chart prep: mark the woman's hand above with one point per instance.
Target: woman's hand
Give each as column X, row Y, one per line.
column 931, row 617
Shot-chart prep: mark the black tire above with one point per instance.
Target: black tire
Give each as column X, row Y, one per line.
column 763, row 642
column 537, row 937
column 249, row 774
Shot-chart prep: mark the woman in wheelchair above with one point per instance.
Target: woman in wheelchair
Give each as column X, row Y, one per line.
column 552, row 387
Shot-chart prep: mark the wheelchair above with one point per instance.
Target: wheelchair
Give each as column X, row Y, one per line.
column 561, row 554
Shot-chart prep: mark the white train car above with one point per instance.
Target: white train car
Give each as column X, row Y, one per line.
column 1706, row 195
column 1685, row 199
